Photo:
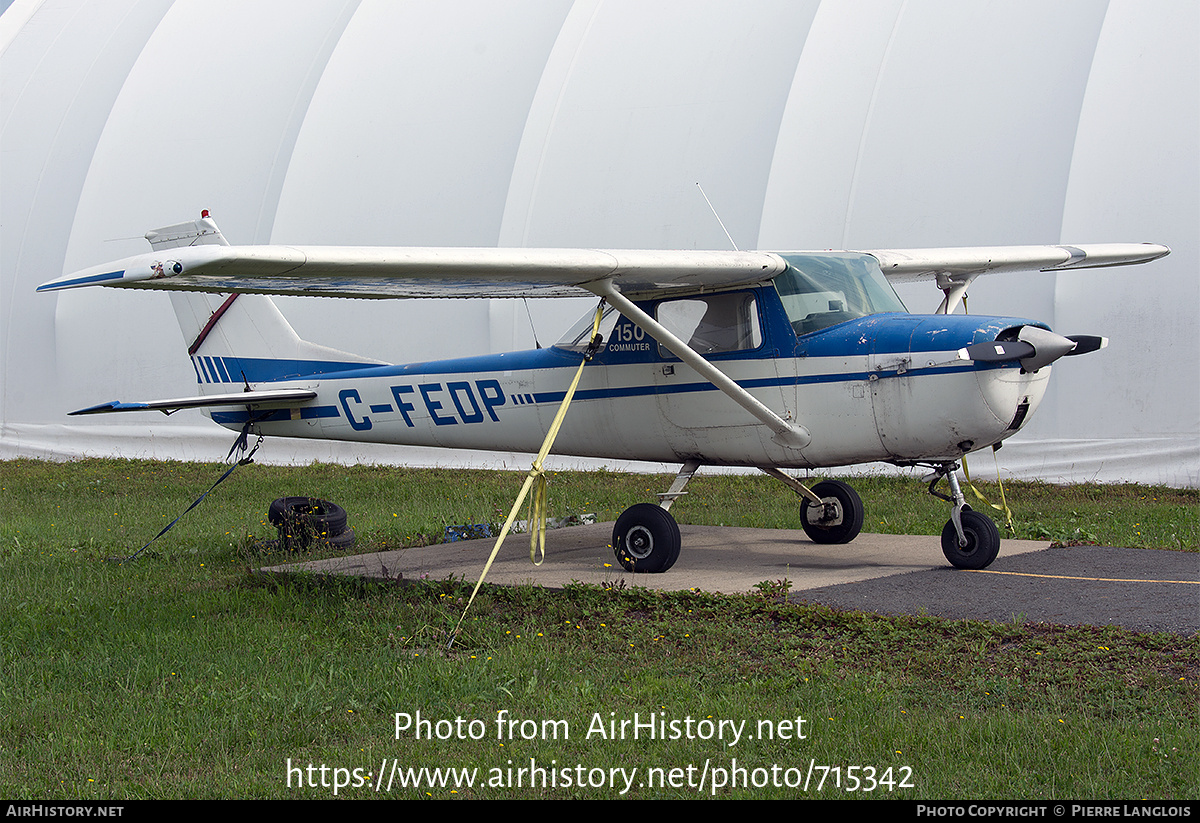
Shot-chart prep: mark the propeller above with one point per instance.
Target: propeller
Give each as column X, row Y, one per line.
column 1085, row 343
column 997, row 351
column 1034, row 347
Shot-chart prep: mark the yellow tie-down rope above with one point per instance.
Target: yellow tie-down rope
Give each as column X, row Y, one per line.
column 537, row 505
column 1004, row 502
column 967, row 473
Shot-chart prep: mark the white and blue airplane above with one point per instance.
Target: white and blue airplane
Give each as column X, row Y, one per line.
column 789, row 360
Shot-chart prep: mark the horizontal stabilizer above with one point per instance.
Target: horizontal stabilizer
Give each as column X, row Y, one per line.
column 254, row 399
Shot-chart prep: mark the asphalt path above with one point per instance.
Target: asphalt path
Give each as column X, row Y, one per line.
column 1138, row 589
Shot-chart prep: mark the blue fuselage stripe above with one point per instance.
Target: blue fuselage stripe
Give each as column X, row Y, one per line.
column 762, row 383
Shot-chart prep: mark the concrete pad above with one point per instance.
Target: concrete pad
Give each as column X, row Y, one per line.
column 713, row 559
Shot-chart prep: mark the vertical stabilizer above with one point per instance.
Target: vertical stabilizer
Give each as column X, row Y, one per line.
column 241, row 338
column 202, row 232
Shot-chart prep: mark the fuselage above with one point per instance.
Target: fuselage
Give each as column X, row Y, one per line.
column 881, row 387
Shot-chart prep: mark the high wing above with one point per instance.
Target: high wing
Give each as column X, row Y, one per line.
column 955, row 268
column 383, row 272
column 908, row 265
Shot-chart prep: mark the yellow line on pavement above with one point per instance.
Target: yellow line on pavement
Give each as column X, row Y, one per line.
column 1101, row 579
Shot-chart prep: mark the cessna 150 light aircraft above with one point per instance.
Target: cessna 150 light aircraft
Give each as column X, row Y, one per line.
column 770, row 360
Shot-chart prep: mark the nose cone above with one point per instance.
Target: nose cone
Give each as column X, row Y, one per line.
column 1047, row 346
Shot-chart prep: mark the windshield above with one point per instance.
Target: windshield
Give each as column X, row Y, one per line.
column 821, row 290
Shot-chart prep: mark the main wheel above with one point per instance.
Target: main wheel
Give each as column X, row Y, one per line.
column 646, row 539
column 983, row 541
column 839, row 520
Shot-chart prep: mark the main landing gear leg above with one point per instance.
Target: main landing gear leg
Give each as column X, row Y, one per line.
column 970, row 540
column 646, row 536
column 830, row 512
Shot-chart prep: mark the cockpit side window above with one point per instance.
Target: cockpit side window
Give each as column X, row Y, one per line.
column 713, row 323
column 822, row 290
column 578, row 337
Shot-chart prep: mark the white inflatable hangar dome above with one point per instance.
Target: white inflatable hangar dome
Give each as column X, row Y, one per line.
column 811, row 124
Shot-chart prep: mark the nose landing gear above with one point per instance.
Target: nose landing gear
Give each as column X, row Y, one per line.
column 970, row 540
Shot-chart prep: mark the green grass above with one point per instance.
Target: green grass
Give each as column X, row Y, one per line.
column 183, row 674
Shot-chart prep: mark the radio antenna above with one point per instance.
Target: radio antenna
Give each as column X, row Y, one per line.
column 719, row 220
column 532, row 327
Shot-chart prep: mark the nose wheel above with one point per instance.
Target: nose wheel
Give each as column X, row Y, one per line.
column 979, row 545
column 970, row 540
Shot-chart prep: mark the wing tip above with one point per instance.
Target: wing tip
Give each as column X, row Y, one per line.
column 74, row 281
column 1108, row 255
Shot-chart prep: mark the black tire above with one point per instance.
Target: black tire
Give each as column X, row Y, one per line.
column 983, row 541
column 301, row 520
column 338, row 542
column 646, row 539
column 330, row 517
column 847, row 519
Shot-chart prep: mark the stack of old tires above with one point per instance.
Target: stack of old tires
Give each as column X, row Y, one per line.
column 309, row 523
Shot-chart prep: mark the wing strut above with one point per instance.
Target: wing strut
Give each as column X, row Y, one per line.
column 786, row 434
column 955, row 289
